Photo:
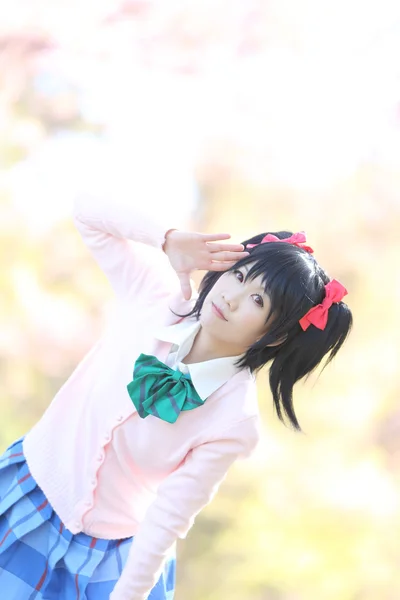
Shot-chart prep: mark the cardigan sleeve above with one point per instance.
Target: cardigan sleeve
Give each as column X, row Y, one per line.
column 179, row 499
column 108, row 229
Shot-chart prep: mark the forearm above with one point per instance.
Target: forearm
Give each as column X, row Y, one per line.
column 122, row 220
column 107, row 228
column 180, row 498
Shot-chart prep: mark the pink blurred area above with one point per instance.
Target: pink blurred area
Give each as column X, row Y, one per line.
column 279, row 94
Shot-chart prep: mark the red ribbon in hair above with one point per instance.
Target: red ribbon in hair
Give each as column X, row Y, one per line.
column 318, row 315
column 297, row 239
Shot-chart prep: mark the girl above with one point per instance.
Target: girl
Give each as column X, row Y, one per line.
column 139, row 438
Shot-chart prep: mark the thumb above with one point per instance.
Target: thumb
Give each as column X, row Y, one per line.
column 186, row 288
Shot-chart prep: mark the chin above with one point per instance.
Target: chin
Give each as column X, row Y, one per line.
column 206, row 314
column 205, row 319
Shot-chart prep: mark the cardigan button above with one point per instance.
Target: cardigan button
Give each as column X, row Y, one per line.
column 119, row 419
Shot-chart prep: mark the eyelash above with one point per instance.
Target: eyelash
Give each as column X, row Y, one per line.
column 261, row 304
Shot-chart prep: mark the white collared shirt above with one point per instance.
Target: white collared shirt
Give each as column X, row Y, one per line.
column 207, row 376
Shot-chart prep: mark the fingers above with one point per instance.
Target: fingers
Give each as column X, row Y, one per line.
column 214, row 237
column 225, row 247
column 221, row 266
column 228, row 256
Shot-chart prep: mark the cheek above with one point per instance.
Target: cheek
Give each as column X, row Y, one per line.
column 259, row 324
column 251, row 323
column 207, row 316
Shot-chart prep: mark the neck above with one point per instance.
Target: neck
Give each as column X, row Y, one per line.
column 205, row 348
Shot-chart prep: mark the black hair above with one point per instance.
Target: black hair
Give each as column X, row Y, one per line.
column 294, row 282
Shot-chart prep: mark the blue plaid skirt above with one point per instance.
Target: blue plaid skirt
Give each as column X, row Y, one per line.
column 42, row 560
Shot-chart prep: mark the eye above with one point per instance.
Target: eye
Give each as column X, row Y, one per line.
column 258, row 300
column 238, row 275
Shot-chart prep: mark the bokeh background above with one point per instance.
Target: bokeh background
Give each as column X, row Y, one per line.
column 238, row 116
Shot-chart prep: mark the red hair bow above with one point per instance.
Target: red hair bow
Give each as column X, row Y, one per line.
column 297, row 239
column 318, row 315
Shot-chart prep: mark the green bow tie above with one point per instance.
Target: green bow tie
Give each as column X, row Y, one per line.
column 160, row 391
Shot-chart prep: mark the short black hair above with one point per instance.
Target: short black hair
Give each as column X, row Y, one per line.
column 294, row 282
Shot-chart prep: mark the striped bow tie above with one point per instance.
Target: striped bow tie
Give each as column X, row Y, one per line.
column 160, row 391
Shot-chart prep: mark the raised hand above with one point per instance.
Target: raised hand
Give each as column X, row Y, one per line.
column 189, row 251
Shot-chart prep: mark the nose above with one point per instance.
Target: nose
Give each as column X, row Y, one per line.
column 231, row 299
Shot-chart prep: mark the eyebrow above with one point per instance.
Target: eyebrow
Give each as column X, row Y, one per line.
column 247, row 269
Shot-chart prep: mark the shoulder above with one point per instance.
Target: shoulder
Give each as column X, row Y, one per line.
column 235, row 412
column 240, row 438
column 241, row 394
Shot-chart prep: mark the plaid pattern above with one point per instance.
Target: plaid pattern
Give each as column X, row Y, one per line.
column 42, row 560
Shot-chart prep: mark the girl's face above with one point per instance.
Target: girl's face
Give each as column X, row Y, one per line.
column 234, row 312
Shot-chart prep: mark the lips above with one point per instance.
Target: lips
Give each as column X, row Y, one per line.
column 218, row 312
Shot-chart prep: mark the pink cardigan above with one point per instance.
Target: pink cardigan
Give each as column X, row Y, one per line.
column 164, row 474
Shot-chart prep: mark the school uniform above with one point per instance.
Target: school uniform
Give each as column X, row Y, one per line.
column 95, row 496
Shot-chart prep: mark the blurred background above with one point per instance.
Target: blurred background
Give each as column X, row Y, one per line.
column 240, row 116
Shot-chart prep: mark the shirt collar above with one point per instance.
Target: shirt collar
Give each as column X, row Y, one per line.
column 206, row 376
